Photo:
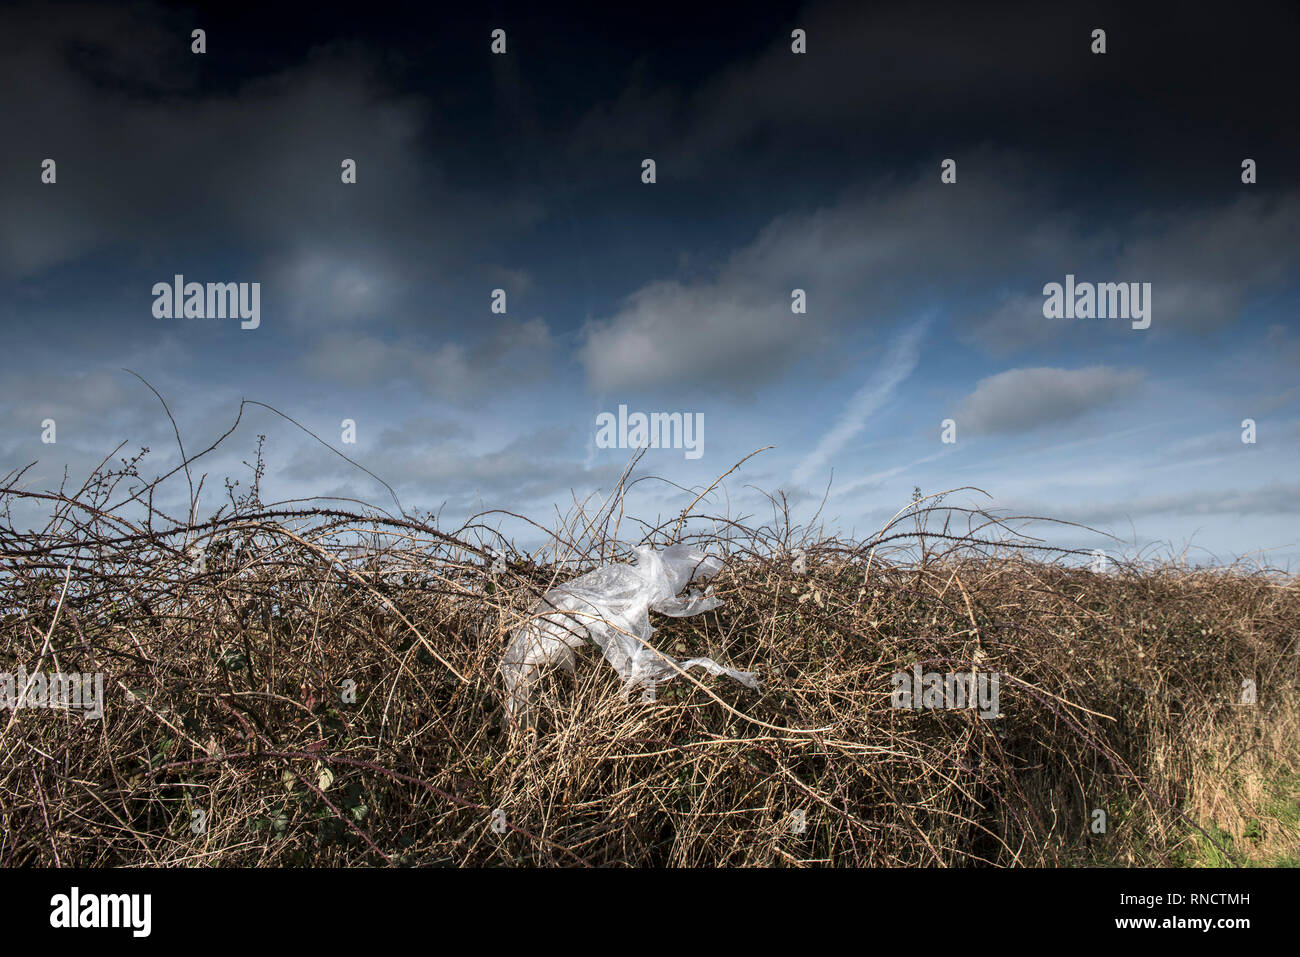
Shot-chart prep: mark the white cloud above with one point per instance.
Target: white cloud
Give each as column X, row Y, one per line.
column 1022, row 399
column 860, row 260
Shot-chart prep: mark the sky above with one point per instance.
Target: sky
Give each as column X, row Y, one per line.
column 925, row 357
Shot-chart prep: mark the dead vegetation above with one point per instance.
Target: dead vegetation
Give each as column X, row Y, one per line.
column 305, row 684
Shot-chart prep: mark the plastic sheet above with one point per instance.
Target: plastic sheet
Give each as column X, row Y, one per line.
column 611, row 607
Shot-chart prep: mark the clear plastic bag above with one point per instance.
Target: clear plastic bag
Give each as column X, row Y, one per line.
column 611, row 607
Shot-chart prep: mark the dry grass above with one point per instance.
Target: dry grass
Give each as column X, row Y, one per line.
column 1119, row 691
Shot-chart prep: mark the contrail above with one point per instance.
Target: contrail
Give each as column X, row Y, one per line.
column 897, row 365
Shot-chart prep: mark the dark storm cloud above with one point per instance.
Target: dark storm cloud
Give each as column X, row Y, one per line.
column 252, row 164
column 884, row 82
column 148, row 161
column 877, row 102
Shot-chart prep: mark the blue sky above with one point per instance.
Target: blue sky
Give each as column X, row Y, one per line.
column 775, row 172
